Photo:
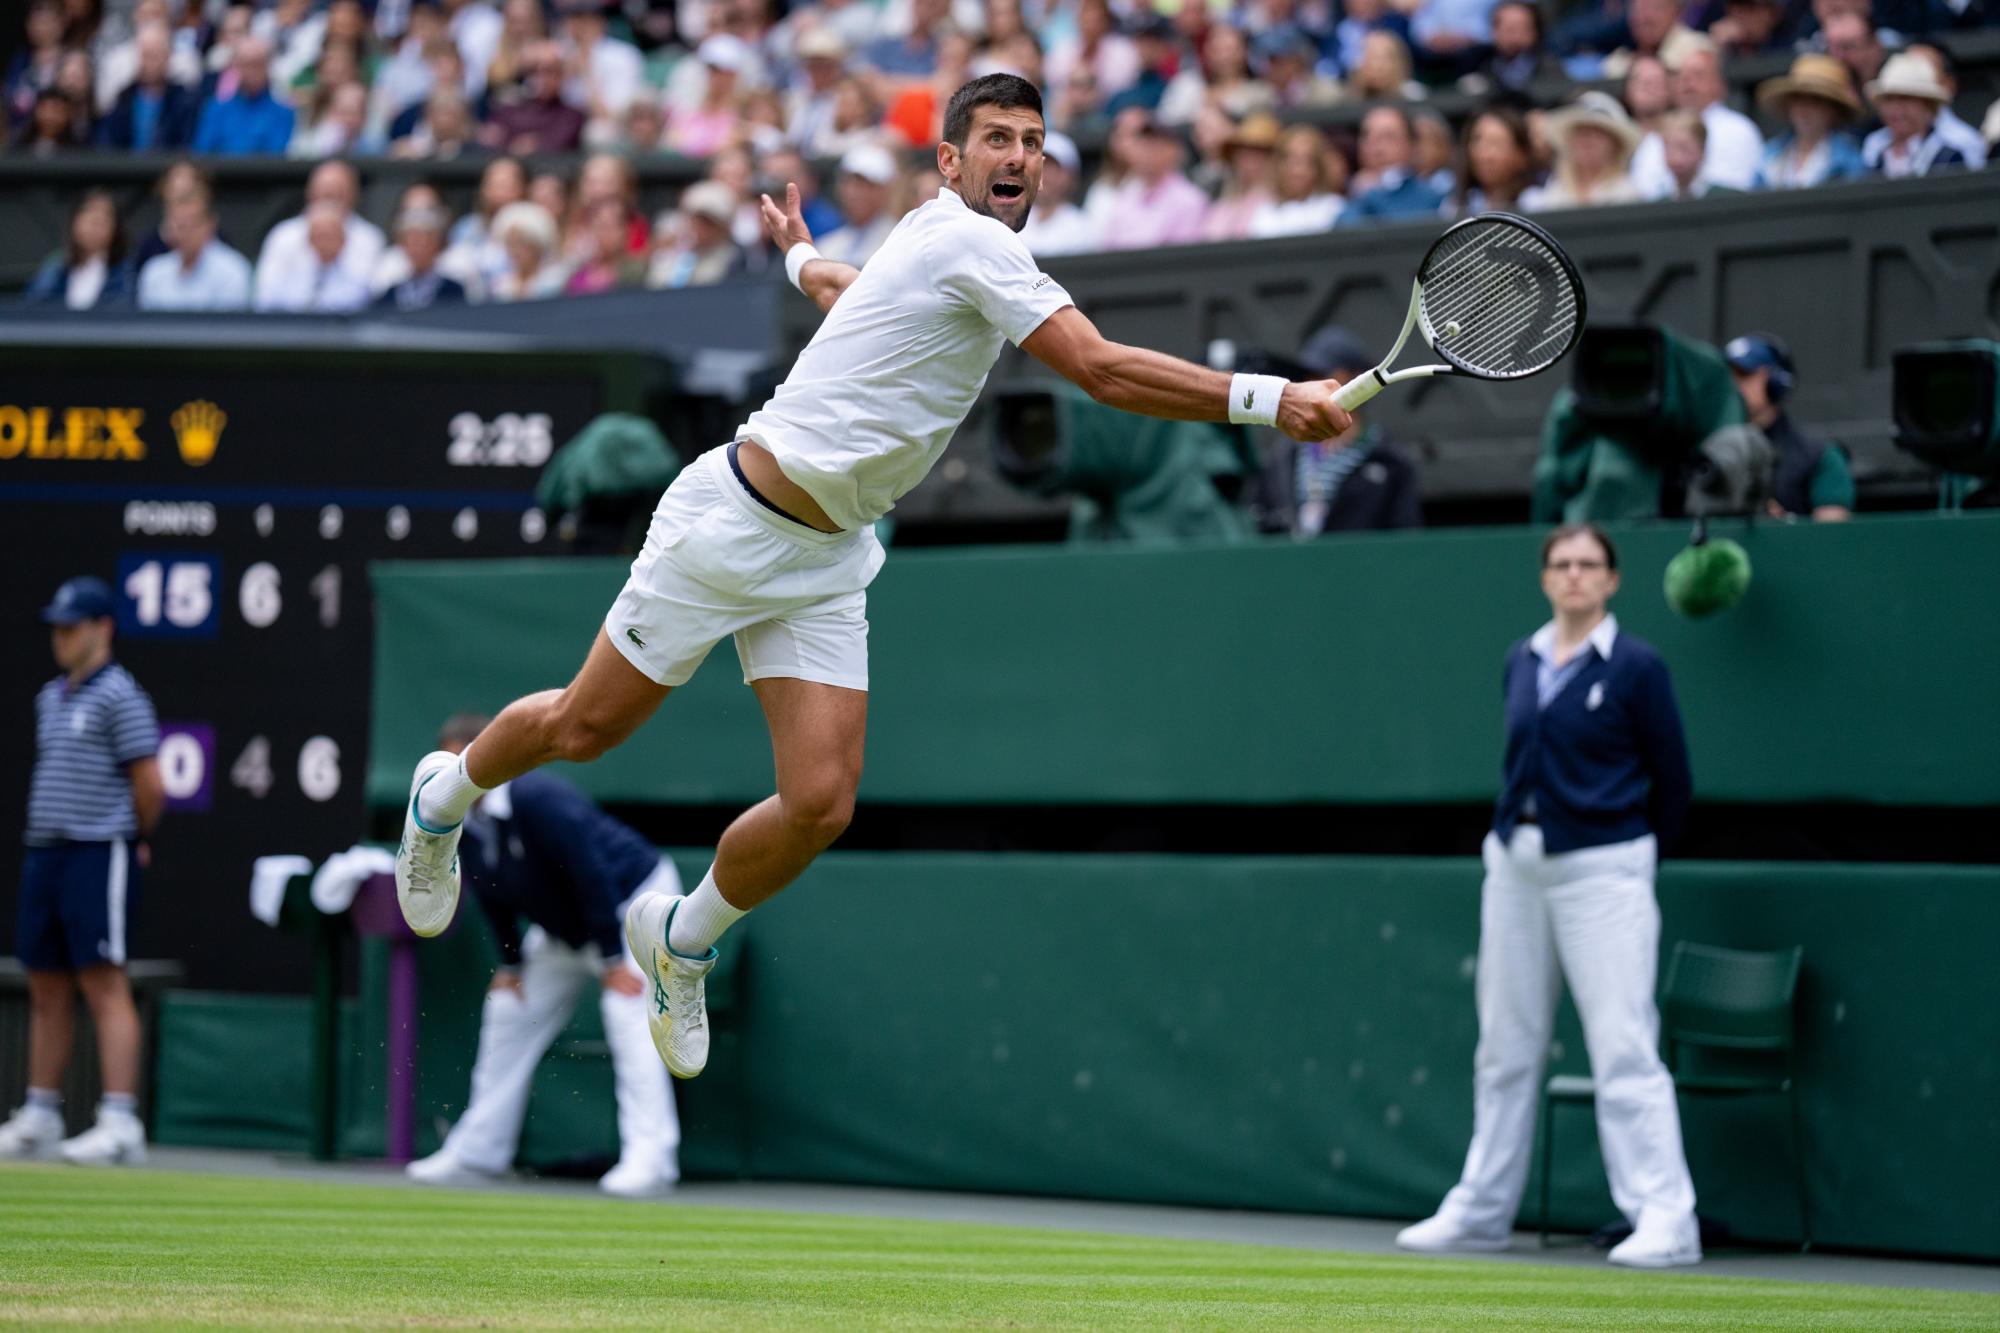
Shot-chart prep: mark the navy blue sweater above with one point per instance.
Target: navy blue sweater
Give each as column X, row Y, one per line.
column 1606, row 761
column 546, row 853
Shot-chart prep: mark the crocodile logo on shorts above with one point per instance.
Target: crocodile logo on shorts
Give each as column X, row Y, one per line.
column 633, row 635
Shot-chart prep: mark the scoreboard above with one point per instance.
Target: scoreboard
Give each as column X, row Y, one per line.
column 232, row 497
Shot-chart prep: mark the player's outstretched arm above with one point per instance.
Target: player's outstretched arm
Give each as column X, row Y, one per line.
column 821, row 279
column 1157, row 385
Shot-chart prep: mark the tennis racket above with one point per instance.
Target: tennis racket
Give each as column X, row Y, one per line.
column 1496, row 297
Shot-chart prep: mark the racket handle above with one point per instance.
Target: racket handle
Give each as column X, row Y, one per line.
column 1357, row 391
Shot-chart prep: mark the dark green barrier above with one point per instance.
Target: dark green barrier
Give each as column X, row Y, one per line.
column 1360, row 670
column 1298, row 1034
column 1288, row 1033
column 1277, row 1033
column 231, row 1070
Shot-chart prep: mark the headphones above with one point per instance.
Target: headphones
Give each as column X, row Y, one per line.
column 1767, row 350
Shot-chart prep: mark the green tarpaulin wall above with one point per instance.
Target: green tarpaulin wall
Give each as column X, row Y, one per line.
column 1860, row 667
column 1070, row 1025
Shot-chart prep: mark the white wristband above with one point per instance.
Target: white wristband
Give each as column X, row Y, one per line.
column 796, row 260
column 1253, row 399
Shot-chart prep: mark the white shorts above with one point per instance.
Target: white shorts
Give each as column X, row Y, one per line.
column 717, row 562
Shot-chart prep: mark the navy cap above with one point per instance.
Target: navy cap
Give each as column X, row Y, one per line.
column 1333, row 348
column 1754, row 351
column 78, row 600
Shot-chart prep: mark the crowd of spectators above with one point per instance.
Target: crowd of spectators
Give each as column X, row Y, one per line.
column 1619, row 101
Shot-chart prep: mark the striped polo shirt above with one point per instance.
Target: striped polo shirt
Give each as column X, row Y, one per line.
column 85, row 735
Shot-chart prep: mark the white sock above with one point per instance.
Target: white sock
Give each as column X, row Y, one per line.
column 701, row 918
column 443, row 801
column 45, row 1099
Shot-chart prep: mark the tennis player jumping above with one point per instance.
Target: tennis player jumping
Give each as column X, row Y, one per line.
column 768, row 538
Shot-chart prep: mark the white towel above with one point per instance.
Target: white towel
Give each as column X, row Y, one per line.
column 337, row 882
column 268, row 877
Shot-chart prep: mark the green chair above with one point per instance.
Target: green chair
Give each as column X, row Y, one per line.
column 1726, row 1031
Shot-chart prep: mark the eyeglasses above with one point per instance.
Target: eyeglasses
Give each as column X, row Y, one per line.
column 1580, row 566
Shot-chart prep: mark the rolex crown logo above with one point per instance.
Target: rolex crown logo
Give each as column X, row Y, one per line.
column 198, row 429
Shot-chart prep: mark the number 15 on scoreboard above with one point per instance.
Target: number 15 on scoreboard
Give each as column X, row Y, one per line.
column 168, row 596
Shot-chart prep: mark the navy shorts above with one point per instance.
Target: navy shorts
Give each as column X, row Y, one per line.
column 76, row 901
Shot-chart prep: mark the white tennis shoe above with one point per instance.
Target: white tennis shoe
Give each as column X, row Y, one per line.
column 1444, row 1234
column 30, row 1132
column 677, row 1007
column 443, row 1168
column 1659, row 1243
column 636, row 1180
column 427, row 859
column 117, row 1139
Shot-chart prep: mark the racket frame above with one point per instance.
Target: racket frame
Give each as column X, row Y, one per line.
column 1365, row 386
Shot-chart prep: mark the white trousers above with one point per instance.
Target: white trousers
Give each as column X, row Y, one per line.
column 515, row 1032
column 1589, row 916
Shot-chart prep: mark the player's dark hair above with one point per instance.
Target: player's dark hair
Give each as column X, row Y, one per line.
column 1590, row 530
column 1009, row 92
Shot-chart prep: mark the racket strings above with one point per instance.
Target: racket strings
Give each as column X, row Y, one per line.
column 1501, row 329
column 1498, row 319
column 1509, row 294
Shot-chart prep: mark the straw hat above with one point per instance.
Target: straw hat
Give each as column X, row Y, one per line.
column 1908, row 75
column 712, row 200
column 1599, row 111
column 1823, row 77
column 1260, row 129
column 820, row 44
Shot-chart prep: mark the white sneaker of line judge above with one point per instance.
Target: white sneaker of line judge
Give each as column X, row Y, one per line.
column 443, row 1168
column 30, row 1132
column 636, row 1180
column 427, row 859
column 117, row 1139
column 1659, row 1242
column 1443, row 1233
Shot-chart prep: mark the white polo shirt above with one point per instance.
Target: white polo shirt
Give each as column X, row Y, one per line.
column 875, row 396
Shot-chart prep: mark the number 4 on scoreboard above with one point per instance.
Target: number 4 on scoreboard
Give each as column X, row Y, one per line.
column 252, row 769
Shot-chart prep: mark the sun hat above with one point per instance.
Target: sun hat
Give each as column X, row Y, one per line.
column 1909, row 75
column 1597, row 110
column 1813, row 75
column 820, row 44
column 1259, row 129
column 725, row 51
column 712, row 200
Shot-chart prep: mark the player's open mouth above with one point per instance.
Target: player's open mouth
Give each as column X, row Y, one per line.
column 1008, row 190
